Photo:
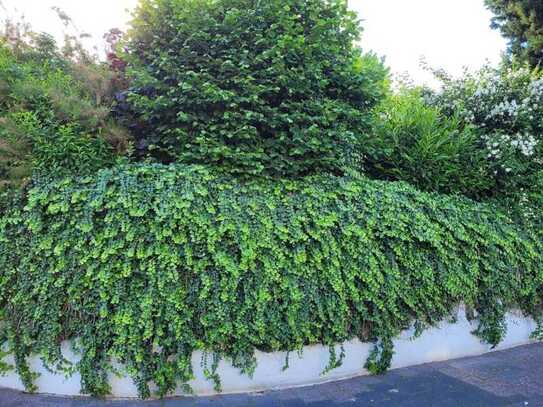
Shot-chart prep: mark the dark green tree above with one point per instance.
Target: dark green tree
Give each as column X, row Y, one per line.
column 276, row 87
column 521, row 22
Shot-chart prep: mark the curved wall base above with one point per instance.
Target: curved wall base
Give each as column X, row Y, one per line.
column 447, row 341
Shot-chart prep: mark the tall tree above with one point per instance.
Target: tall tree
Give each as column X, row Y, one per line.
column 521, row 22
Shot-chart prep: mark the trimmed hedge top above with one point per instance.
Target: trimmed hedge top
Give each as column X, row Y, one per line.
column 275, row 87
column 144, row 264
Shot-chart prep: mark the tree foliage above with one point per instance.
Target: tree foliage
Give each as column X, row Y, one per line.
column 277, row 87
column 521, row 22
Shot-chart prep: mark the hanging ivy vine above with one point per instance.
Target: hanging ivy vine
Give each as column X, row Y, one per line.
column 144, row 264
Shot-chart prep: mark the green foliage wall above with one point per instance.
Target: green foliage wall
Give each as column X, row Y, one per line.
column 146, row 263
column 143, row 264
column 277, row 87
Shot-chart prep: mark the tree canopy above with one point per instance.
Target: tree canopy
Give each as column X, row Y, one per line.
column 521, row 22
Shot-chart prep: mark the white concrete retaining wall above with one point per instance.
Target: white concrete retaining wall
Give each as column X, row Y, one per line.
column 448, row 341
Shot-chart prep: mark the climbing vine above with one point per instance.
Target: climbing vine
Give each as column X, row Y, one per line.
column 143, row 264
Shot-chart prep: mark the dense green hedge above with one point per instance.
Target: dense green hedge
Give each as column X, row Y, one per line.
column 276, row 87
column 144, row 264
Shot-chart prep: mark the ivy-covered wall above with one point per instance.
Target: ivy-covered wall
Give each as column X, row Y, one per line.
column 146, row 263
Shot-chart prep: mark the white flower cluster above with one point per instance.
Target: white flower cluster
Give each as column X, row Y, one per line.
column 524, row 143
column 536, row 87
column 505, row 103
column 507, row 108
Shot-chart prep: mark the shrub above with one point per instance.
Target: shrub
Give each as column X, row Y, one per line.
column 146, row 263
column 524, row 206
column 416, row 143
column 257, row 87
column 54, row 112
column 505, row 104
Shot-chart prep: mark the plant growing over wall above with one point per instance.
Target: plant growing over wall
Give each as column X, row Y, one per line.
column 144, row 264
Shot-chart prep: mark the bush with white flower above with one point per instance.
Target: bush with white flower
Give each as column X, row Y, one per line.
column 505, row 104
